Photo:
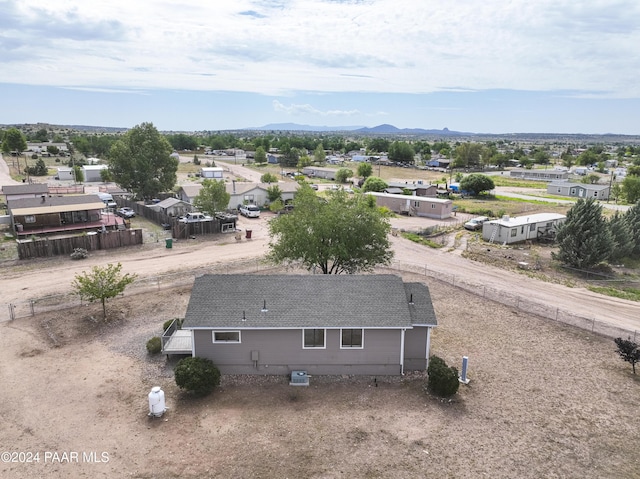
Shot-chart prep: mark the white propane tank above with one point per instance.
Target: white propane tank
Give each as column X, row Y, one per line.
column 156, row 402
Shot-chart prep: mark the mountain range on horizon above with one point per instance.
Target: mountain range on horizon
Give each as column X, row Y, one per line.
column 384, row 129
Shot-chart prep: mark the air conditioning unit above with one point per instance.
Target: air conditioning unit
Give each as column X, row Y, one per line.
column 299, row 378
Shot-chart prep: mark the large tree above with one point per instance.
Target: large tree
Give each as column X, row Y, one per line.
column 212, row 197
column 401, row 151
column 468, row 155
column 365, row 170
column 14, row 140
column 373, row 183
column 102, row 284
column 141, row 162
column 584, row 239
column 476, row 183
column 260, row 155
column 622, row 234
column 632, row 217
column 340, row 234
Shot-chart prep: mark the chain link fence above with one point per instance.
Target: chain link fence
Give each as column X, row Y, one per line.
column 12, row 311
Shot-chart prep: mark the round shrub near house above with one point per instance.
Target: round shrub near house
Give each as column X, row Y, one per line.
column 197, row 375
column 443, row 380
column 154, row 345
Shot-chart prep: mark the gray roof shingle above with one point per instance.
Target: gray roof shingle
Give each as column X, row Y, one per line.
column 307, row 301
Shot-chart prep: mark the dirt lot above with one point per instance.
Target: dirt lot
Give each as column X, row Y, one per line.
column 545, row 400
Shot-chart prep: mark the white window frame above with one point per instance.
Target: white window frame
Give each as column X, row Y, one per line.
column 213, row 337
column 342, row 346
column 514, row 232
column 324, row 346
column 416, row 204
column 29, row 219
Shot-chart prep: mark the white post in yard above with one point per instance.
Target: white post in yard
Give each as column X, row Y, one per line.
column 463, row 377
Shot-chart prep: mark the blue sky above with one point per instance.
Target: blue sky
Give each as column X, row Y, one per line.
column 499, row 66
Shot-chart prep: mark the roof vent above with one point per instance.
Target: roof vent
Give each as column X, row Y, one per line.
column 411, row 299
column 264, row 307
column 244, row 317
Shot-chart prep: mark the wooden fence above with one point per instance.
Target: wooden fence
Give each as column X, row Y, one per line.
column 47, row 247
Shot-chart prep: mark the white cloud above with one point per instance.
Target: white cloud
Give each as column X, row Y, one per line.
column 275, row 47
column 307, row 109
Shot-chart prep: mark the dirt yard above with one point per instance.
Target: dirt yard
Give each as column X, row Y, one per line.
column 545, row 400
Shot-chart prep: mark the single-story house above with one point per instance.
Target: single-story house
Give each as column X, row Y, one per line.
column 54, row 214
column 272, row 159
column 41, row 147
column 361, row 158
column 172, row 207
column 578, row 190
column 415, row 205
column 539, row 175
column 417, row 188
column 322, row 324
column 25, row 190
column 92, row 172
column 508, row 230
column 256, row 193
column 187, row 193
column 319, row 172
column 212, row 172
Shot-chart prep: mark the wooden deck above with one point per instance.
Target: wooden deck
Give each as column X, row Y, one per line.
column 178, row 343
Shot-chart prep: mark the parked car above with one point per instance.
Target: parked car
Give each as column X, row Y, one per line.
column 287, row 209
column 195, row 218
column 125, row 212
column 314, row 187
column 250, row 211
column 475, row 224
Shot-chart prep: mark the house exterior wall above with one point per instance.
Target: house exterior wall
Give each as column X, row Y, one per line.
column 416, row 206
column 576, row 190
column 315, row 172
column 543, row 175
column 211, row 172
column 415, row 349
column 55, row 219
column 516, row 233
column 280, row 351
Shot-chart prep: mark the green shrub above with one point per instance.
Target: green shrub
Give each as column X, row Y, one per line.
column 443, row 380
column 154, row 345
column 168, row 322
column 197, row 375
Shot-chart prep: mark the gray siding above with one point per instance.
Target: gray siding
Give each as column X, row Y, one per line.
column 280, row 352
column 415, row 349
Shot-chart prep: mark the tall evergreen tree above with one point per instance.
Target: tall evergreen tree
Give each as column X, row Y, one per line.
column 584, row 239
column 622, row 234
column 633, row 220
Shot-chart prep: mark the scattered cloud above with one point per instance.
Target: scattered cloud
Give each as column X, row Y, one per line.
column 306, row 109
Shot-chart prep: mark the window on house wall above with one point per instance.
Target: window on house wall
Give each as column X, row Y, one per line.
column 559, row 190
column 29, row 219
column 532, row 227
column 433, row 205
column 313, row 338
column 351, row 338
column 226, row 336
column 522, row 230
column 595, row 193
column 573, row 191
column 416, row 204
column 248, row 198
column 514, row 232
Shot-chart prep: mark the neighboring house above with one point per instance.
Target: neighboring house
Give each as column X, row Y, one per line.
column 578, row 190
column 55, row 214
column 256, row 193
column 272, row 159
column 417, row 188
column 539, row 175
column 187, row 193
column 25, row 190
column 415, row 205
column 211, row 172
column 172, row 207
column 319, row 172
column 37, row 147
column 360, row 158
column 92, row 172
column 322, row 324
column 508, row 230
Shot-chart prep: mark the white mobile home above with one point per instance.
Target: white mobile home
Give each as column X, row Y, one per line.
column 415, row 205
column 507, row 230
column 211, row 172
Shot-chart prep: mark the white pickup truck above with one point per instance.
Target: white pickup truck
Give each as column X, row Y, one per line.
column 195, row 218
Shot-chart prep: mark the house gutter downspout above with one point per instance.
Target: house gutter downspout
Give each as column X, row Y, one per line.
column 428, row 344
column 402, row 331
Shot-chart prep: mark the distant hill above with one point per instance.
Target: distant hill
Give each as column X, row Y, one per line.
column 376, row 130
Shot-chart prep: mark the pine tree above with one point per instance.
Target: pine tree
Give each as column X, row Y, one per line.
column 632, row 216
column 622, row 235
column 584, row 239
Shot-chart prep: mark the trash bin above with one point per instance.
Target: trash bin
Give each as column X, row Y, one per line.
column 169, row 242
column 248, row 234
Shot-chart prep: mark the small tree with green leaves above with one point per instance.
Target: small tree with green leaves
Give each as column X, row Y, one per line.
column 197, row 375
column 106, row 176
column 373, row 183
column 476, row 183
column 268, row 178
column 622, row 235
column 78, row 174
column 628, row 351
column 102, row 283
column 260, row 156
column 343, row 174
column 212, row 197
column 274, row 193
column 365, row 170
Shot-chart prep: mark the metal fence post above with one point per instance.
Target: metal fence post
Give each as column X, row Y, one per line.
column 31, row 303
column 12, row 313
